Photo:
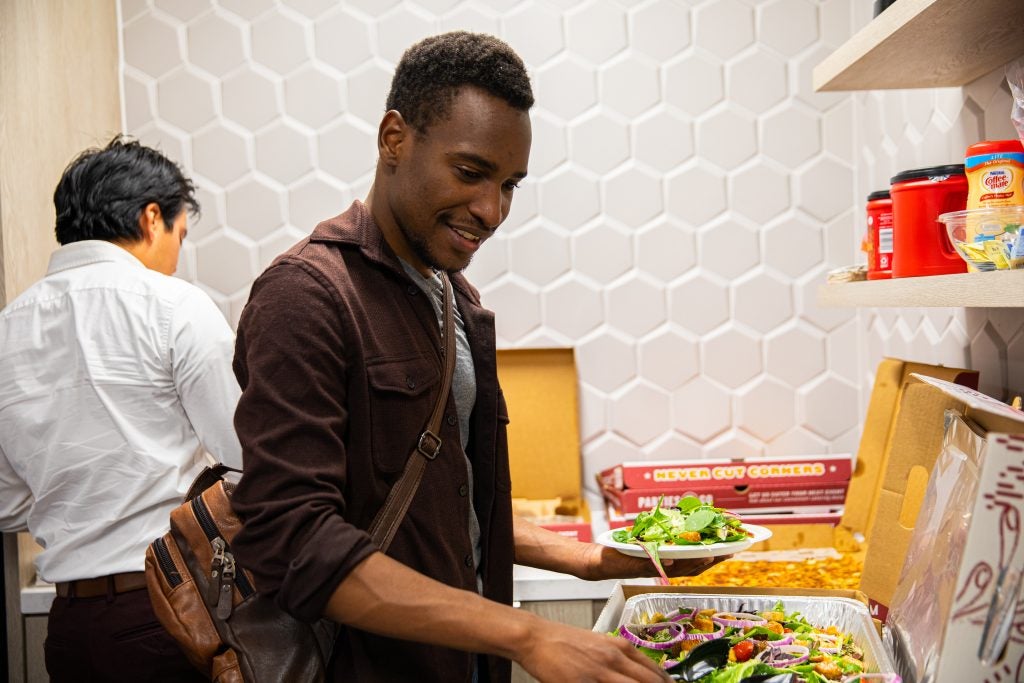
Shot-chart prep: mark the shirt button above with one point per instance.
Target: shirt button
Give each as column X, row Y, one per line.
column 410, row 382
column 451, row 420
column 468, row 560
column 411, row 290
column 463, row 490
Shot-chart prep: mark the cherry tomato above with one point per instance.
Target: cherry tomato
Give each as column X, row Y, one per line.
column 743, row 650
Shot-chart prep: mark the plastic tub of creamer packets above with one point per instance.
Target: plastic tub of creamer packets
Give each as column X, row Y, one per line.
column 847, row 615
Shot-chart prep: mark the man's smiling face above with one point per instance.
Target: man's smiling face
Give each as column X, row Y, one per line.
column 450, row 187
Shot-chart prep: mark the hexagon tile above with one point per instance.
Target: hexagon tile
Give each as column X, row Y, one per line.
column 687, row 194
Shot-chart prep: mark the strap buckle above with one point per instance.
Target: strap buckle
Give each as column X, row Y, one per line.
column 429, row 444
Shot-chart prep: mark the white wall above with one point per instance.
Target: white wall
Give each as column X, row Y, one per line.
column 687, row 194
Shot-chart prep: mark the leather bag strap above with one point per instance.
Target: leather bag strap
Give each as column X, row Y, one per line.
column 386, row 523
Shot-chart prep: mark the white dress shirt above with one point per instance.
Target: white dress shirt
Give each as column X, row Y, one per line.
column 113, row 379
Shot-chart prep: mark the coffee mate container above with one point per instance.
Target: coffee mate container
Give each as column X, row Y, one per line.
column 995, row 174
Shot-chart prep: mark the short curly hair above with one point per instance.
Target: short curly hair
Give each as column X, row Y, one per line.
column 102, row 193
column 431, row 72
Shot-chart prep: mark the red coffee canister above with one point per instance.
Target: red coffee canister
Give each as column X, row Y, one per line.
column 920, row 243
column 879, row 235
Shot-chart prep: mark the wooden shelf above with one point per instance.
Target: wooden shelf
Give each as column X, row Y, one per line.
column 997, row 289
column 926, row 44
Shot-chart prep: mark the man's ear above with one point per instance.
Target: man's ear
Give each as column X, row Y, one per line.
column 150, row 221
column 391, row 137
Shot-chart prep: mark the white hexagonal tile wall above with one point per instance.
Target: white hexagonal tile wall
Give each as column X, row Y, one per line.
column 311, row 8
column 342, row 39
column 347, row 150
column 569, row 199
column 666, row 250
column 724, row 28
column 520, row 306
column 215, row 44
column 151, row 45
column 368, row 88
column 762, row 301
column 540, row 254
column 224, row 263
column 183, row 10
column 727, row 136
column 596, row 31
column 249, row 97
column 694, row 83
column 185, row 99
column 795, row 354
column 794, row 246
column 701, row 410
column 565, row 86
column 672, row 447
column 636, row 305
column 662, row 139
column 572, row 307
column 535, row 32
column 283, row 153
column 550, row 144
column 601, row 252
column 791, row 134
column 696, row 194
column 788, row 26
column 731, row 356
column 660, row 29
column 220, row 154
column 275, row 245
column 632, row 196
column 314, row 199
column 757, row 80
column 313, row 96
column 490, row 263
column 728, row 248
column 760, row 191
column 824, row 189
column 246, row 9
column 138, row 107
column 630, row 85
column 766, row 409
column 699, row 302
column 599, row 143
column 829, row 407
column 279, row 41
column 668, row 358
column 796, row 441
column 399, row 29
column 733, row 445
column 641, row 412
column 255, row 208
column 606, row 361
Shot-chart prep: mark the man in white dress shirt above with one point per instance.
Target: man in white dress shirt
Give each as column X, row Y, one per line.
column 115, row 379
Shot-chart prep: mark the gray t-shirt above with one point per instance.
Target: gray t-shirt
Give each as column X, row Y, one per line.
column 463, row 386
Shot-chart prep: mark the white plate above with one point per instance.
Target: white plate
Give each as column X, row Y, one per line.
column 682, row 552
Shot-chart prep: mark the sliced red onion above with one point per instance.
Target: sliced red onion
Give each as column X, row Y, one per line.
column 787, row 639
column 738, row 619
column 654, row 628
column 682, row 614
column 864, row 678
column 785, row 655
column 829, row 644
column 689, row 635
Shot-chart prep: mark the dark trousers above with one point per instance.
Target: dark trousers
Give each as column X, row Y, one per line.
column 113, row 638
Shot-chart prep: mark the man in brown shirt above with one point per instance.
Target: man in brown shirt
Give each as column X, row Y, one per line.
column 339, row 359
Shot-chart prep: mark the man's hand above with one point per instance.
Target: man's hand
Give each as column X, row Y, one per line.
column 556, row 653
column 606, row 563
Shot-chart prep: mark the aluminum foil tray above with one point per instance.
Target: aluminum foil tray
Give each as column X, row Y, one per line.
column 845, row 614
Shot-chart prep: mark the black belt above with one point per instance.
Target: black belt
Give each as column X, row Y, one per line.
column 102, row 585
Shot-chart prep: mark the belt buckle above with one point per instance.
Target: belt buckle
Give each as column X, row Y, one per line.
column 429, row 444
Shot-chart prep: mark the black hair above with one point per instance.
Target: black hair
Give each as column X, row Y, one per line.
column 102, row 193
column 431, row 72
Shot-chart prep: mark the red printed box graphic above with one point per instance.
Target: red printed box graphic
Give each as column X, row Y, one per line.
column 762, row 498
column 796, row 471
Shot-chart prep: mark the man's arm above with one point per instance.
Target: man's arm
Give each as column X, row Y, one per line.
column 545, row 549
column 15, row 497
column 385, row 597
column 202, row 345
